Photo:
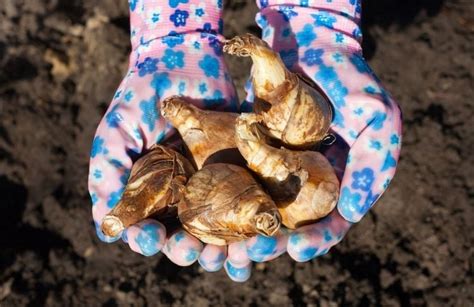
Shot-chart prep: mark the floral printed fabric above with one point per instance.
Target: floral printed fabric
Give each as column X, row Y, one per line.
column 177, row 50
column 349, row 8
column 152, row 19
column 321, row 39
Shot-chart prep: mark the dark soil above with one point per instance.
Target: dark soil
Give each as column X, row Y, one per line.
column 60, row 63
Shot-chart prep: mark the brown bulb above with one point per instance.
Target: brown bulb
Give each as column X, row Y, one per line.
column 303, row 184
column 155, row 185
column 292, row 109
column 223, row 203
column 208, row 135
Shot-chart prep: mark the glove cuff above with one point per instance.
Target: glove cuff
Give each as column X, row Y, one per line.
column 290, row 29
column 153, row 19
column 349, row 8
column 192, row 54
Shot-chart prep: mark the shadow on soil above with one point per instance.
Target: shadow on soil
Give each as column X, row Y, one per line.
column 385, row 13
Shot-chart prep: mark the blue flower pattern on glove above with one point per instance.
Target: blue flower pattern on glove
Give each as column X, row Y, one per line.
column 211, row 34
column 113, row 118
column 371, row 198
column 97, row 146
column 313, row 57
column 357, row 4
column 330, row 81
column 97, row 174
column 128, row 96
column 148, row 66
column 263, row 3
column 210, row 66
column 175, row 3
column 236, row 273
column 263, row 248
column 287, row 12
column 147, row 239
column 378, row 120
column 173, row 59
column 179, row 18
column 132, row 4
column 394, row 139
column 114, row 198
column 360, row 63
column 306, row 36
column 192, row 255
column 350, row 202
column 377, row 145
column 207, row 31
column 173, row 39
column 389, row 162
column 149, row 112
column 161, row 83
column 311, row 252
column 363, row 180
column 338, row 58
column 94, row 198
column 324, row 19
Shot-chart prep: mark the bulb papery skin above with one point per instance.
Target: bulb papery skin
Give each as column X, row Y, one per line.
column 156, row 183
column 223, row 204
column 303, row 184
column 208, row 135
column 293, row 110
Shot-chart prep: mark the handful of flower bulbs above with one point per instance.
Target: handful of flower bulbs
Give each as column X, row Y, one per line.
column 241, row 174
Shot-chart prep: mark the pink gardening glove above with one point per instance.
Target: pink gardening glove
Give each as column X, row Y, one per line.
column 176, row 50
column 321, row 40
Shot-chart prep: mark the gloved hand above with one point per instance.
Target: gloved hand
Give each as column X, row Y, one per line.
column 321, row 40
column 176, row 50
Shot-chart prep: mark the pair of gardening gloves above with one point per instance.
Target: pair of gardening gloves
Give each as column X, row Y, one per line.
column 177, row 50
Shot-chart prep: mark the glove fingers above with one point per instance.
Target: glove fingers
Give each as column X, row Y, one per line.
column 238, row 273
column 182, row 248
column 146, row 237
column 237, row 253
column 108, row 174
column 373, row 156
column 118, row 141
column 238, row 265
column 369, row 122
column 212, row 257
column 102, row 236
column 314, row 240
column 371, row 162
column 261, row 248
